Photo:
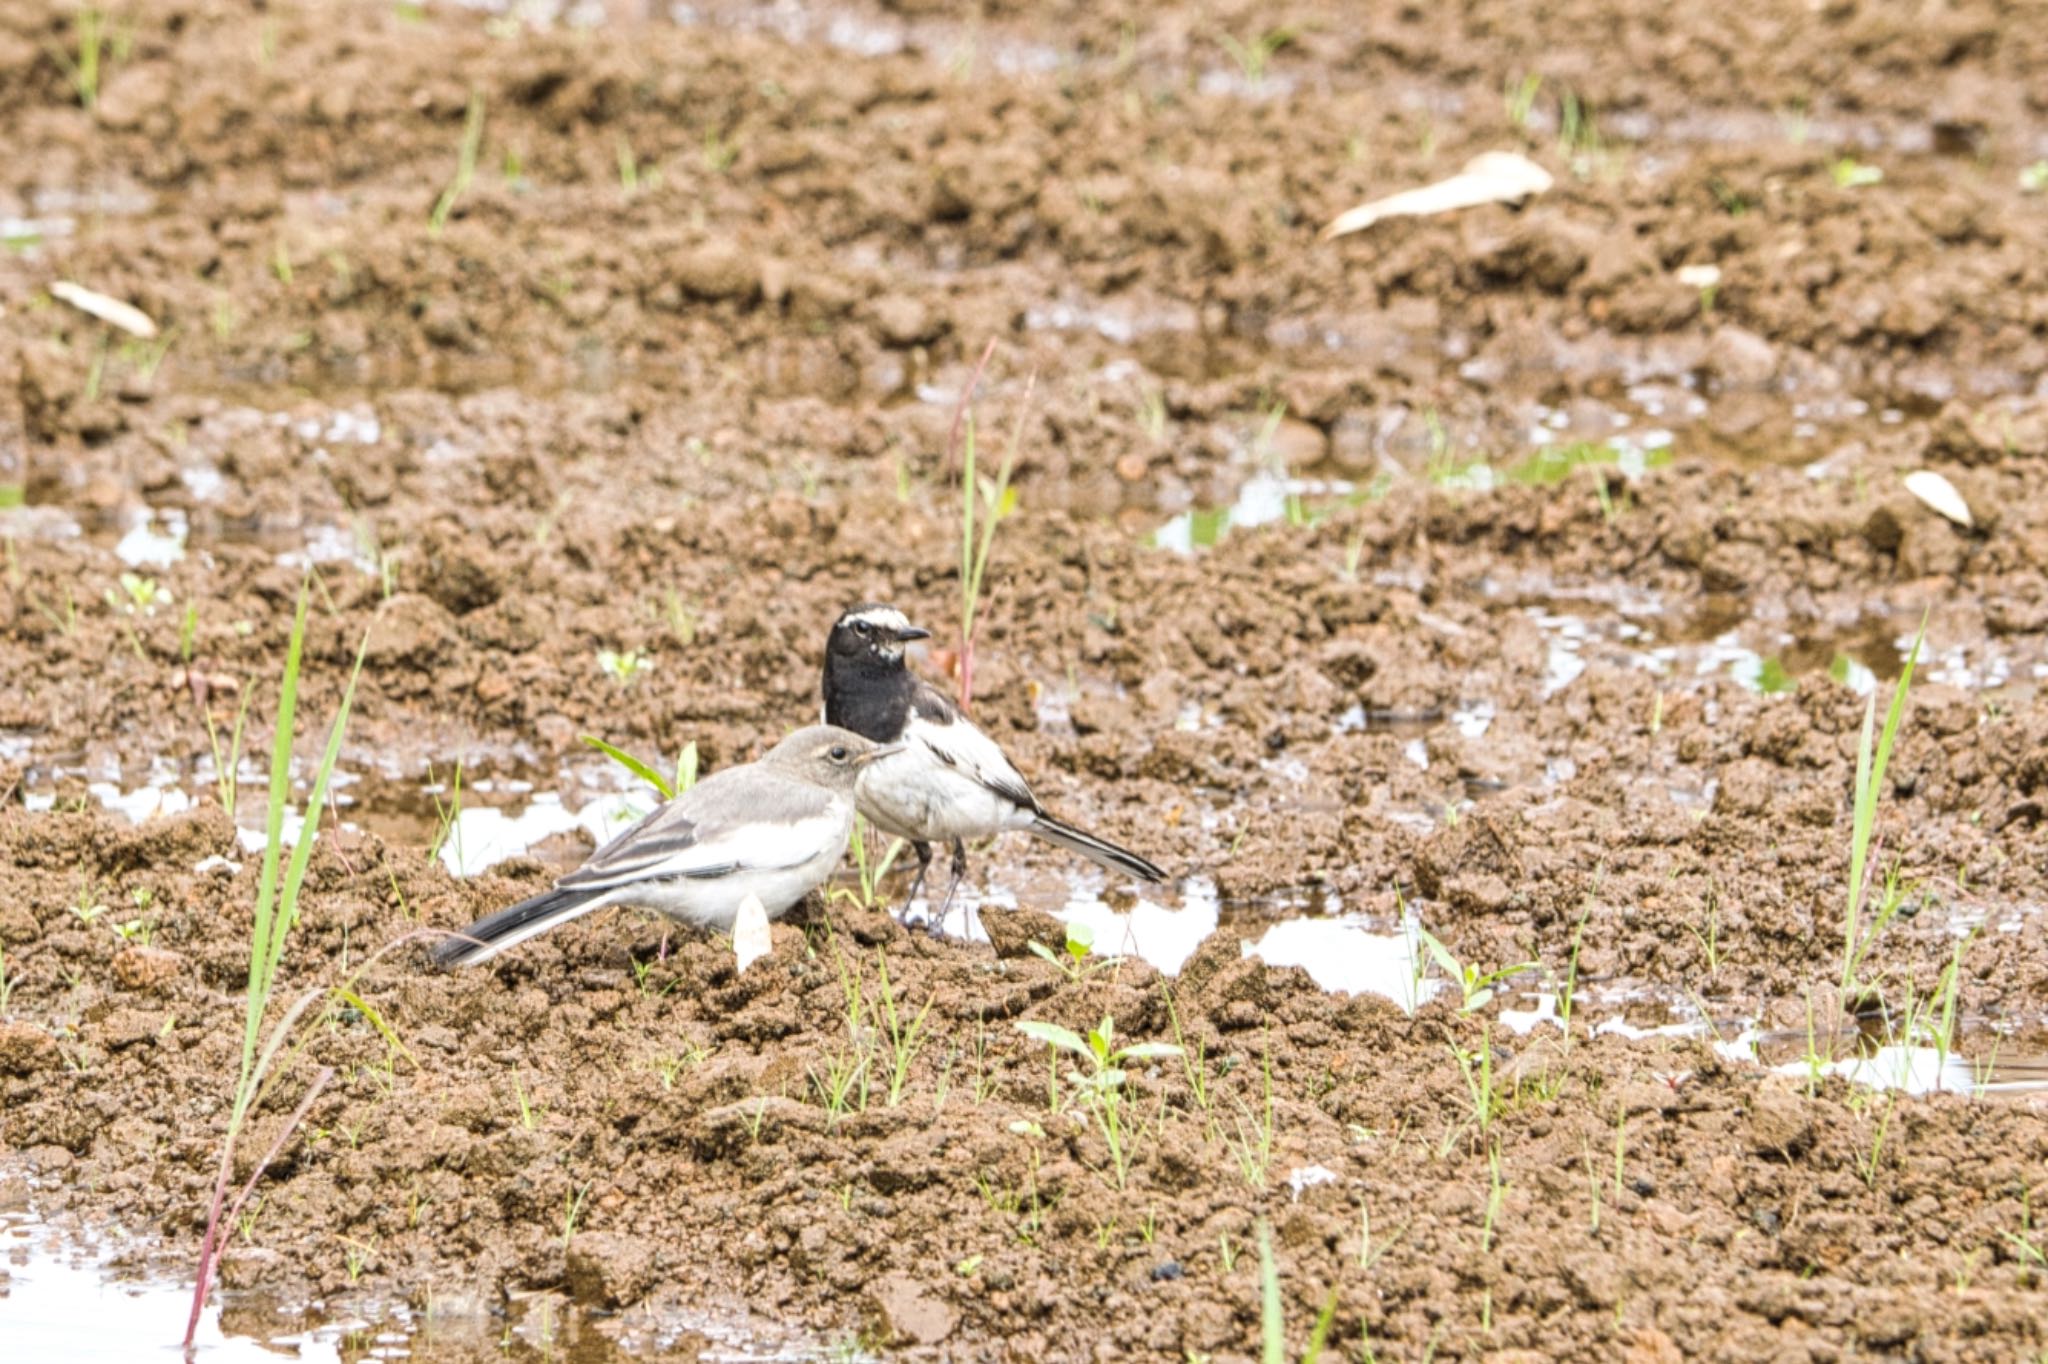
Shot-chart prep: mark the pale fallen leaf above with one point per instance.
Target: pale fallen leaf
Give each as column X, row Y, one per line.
column 1308, row 1178
column 1940, row 495
column 1488, row 178
column 112, row 311
column 750, row 940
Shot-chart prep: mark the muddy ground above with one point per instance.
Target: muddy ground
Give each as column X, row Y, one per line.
column 675, row 377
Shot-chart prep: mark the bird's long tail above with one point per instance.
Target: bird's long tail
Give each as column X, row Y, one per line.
column 489, row 936
column 1097, row 850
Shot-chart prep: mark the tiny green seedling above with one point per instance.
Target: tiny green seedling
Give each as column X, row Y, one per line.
column 720, row 151
column 465, row 165
column 1254, row 54
column 1075, row 965
column 1476, row 986
column 2034, row 179
column 448, row 814
column 1100, row 1090
column 1871, row 759
column 1272, row 1322
column 624, row 666
column 1520, row 99
column 1849, row 173
column 84, row 69
column 139, row 596
column 870, row 869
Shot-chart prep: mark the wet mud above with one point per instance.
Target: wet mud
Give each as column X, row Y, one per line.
column 1483, row 575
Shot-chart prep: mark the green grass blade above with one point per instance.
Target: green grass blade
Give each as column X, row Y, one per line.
column 1871, row 762
column 1053, row 1035
column 265, row 942
column 1320, row 1336
column 384, row 1029
column 642, row 770
column 316, row 801
column 1272, row 1333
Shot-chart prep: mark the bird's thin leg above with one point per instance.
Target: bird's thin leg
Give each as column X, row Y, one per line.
column 952, row 888
column 924, row 866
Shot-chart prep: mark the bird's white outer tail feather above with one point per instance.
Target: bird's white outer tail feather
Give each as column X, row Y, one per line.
column 1099, row 851
column 514, row 925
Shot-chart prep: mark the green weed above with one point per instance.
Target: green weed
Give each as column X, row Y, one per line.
column 447, row 814
column 1272, row 1322
column 1476, row 986
column 1252, row 1146
column 1871, row 760
column 277, row 909
column 1075, row 965
column 685, row 774
column 904, row 1039
column 90, row 37
column 626, row 666
column 1254, row 54
column 227, row 757
column 465, row 165
column 1100, row 1090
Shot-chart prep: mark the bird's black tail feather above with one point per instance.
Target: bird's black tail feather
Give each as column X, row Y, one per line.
column 489, row 936
column 1099, row 851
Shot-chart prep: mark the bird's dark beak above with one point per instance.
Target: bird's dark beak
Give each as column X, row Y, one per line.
column 884, row 751
column 910, row 632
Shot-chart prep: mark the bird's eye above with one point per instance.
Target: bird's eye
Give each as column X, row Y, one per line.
column 838, row 753
column 860, row 627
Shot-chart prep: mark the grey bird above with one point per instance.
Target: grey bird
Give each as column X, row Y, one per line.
column 950, row 782
column 773, row 829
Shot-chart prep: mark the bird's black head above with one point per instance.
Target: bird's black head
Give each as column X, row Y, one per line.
column 872, row 633
column 867, row 688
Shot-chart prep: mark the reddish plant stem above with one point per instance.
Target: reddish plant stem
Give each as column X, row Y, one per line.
column 960, row 408
column 209, row 1248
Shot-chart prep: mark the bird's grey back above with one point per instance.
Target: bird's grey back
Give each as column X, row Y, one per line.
column 716, row 808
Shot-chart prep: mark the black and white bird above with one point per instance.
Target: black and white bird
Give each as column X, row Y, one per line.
column 773, row 829
column 950, row 782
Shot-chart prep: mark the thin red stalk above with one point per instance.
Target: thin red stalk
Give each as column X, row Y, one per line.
column 960, row 408
column 209, row 1248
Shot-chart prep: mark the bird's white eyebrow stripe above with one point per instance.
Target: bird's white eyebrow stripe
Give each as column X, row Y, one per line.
column 882, row 615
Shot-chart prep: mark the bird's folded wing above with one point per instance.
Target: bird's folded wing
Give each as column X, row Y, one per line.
column 937, row 724
column 743, row 819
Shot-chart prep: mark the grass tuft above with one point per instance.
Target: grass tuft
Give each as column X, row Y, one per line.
column 1871, row 760
column 277, row 909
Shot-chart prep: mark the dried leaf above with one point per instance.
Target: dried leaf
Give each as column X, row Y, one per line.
column 1939, row 494
column 1488, row 178
column 112, row 311
column 750, row 939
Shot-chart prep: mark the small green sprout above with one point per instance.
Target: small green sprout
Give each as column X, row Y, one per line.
column 1099, row 1092
column 139, row 596
column 1253, row 55
column 625, row 667
column 1080, row 942
column 1476, row 986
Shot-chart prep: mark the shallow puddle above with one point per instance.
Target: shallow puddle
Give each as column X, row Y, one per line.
column 62, row 1297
